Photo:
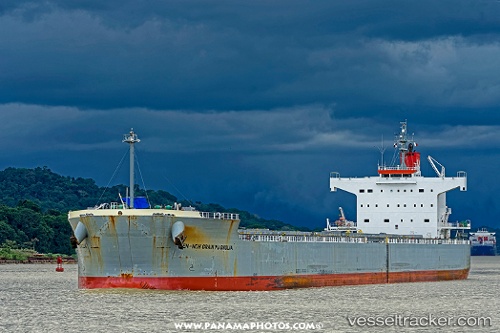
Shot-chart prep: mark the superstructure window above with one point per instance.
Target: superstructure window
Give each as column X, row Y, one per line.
column 396, row 226
column 426, row 220
column 421, row 190
column 367, row 220
column 386, row 220
column 361, row 191
column 369, row 190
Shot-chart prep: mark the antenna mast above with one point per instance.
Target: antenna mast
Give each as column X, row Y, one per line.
column 131, row 139
column 382, row 149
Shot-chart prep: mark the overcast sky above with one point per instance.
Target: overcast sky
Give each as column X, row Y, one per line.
column 252, row 104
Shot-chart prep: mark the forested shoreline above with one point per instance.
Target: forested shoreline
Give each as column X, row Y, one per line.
column 34, row 204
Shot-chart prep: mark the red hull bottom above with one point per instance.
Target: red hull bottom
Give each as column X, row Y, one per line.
column 247, row 283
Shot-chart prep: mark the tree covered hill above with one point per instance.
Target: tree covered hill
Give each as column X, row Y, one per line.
column 34, row 205
column 50, row 190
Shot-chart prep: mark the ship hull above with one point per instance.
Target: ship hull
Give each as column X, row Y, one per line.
column 262, row 283
column 483, row 250
column 135, row 249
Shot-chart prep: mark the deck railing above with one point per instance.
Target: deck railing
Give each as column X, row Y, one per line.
column 222, row 216
column 274, row 237
column 205, row 215
column 397, row 168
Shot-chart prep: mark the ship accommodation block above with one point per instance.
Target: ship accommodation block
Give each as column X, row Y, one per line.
column 401, row 204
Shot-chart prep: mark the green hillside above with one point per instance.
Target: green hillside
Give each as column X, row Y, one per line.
column 34, row 205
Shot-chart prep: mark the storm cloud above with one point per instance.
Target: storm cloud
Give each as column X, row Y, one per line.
column 252, row 104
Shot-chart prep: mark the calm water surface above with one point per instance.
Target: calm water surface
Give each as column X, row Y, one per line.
column 34, row 298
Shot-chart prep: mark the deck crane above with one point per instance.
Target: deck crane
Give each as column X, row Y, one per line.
column 433, row 163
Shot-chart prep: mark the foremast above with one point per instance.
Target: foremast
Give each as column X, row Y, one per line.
column 131, row 138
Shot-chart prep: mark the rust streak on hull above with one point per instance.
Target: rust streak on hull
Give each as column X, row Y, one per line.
column 196, row 235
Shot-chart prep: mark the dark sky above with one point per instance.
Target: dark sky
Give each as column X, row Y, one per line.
column 253, row 104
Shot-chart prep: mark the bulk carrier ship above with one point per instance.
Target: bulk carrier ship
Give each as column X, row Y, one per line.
column 402, row 234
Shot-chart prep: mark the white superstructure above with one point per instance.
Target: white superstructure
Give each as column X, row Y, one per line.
column 400, row 200
column 482, row 237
